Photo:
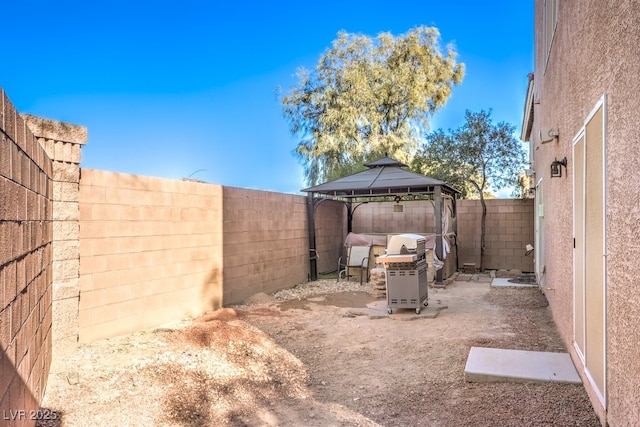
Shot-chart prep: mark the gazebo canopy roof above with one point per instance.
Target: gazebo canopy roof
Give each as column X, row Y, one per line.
column 383, row 177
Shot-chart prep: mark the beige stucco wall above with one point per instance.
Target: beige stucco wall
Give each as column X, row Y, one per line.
column 594, row 53
column 150, row 251
column 265, row 242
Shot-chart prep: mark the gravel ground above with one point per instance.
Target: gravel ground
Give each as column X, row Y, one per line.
column 307, row 356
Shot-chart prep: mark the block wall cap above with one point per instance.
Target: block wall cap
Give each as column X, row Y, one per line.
column 58, row 131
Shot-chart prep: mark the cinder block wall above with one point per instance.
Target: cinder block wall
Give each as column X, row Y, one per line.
column 509, row 228
column 26, row 193
column 331, row 231
column 150, row 252
column 416, row 217
column 63, row 142
column 379, row 217
column 266, row 242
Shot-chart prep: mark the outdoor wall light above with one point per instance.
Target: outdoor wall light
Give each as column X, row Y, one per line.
column 556, row 167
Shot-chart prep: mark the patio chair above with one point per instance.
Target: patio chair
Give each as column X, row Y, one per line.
column 357, row 257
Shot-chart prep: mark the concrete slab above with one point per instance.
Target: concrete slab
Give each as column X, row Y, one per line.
column 503, row 282
column 520, row 366
column 378, row 310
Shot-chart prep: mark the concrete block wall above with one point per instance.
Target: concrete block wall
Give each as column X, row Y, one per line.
column 266, row 246
column 509, row 228
column 63, row 143
column 26, row 193
column 331, row 231
column 150, row 252
column 371, row 218
column 469, row 216
column 379, row 217
column 416, row 217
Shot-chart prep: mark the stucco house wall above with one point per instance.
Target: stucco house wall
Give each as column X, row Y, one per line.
column 593, row 55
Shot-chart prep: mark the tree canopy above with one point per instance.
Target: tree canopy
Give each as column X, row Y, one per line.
column 367, row 97
column 477, row 157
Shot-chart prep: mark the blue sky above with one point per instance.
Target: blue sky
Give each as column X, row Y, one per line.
column 170, row 88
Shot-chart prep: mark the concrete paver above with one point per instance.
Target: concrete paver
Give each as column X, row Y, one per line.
column 501, row 365
column 505, row 283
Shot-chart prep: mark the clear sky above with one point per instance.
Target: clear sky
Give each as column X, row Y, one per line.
column 180, row 88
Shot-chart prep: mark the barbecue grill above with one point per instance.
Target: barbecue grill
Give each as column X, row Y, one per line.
column 405, row 272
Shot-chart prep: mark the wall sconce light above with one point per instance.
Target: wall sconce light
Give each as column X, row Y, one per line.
column 532, row 192
column 556, row 167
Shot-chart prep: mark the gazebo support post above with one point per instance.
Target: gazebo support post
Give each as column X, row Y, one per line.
column 455, row 225
column 313, row 253
column 438, row 215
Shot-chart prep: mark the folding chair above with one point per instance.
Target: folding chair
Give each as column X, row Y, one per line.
column 357, row 257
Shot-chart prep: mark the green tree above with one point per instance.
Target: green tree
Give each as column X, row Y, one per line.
column 476, row 158
column 367, row 97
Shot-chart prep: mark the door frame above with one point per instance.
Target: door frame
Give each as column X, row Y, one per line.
column 601, row 392
column 539, row 234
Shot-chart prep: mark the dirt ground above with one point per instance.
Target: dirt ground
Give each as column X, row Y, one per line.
column 314, row 359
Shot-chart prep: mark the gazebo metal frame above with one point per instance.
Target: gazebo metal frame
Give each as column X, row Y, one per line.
column 384, row 179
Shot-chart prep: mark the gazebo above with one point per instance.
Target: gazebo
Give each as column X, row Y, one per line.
column 384, row 179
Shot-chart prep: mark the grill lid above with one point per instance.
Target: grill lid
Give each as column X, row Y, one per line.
column 413, row 243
